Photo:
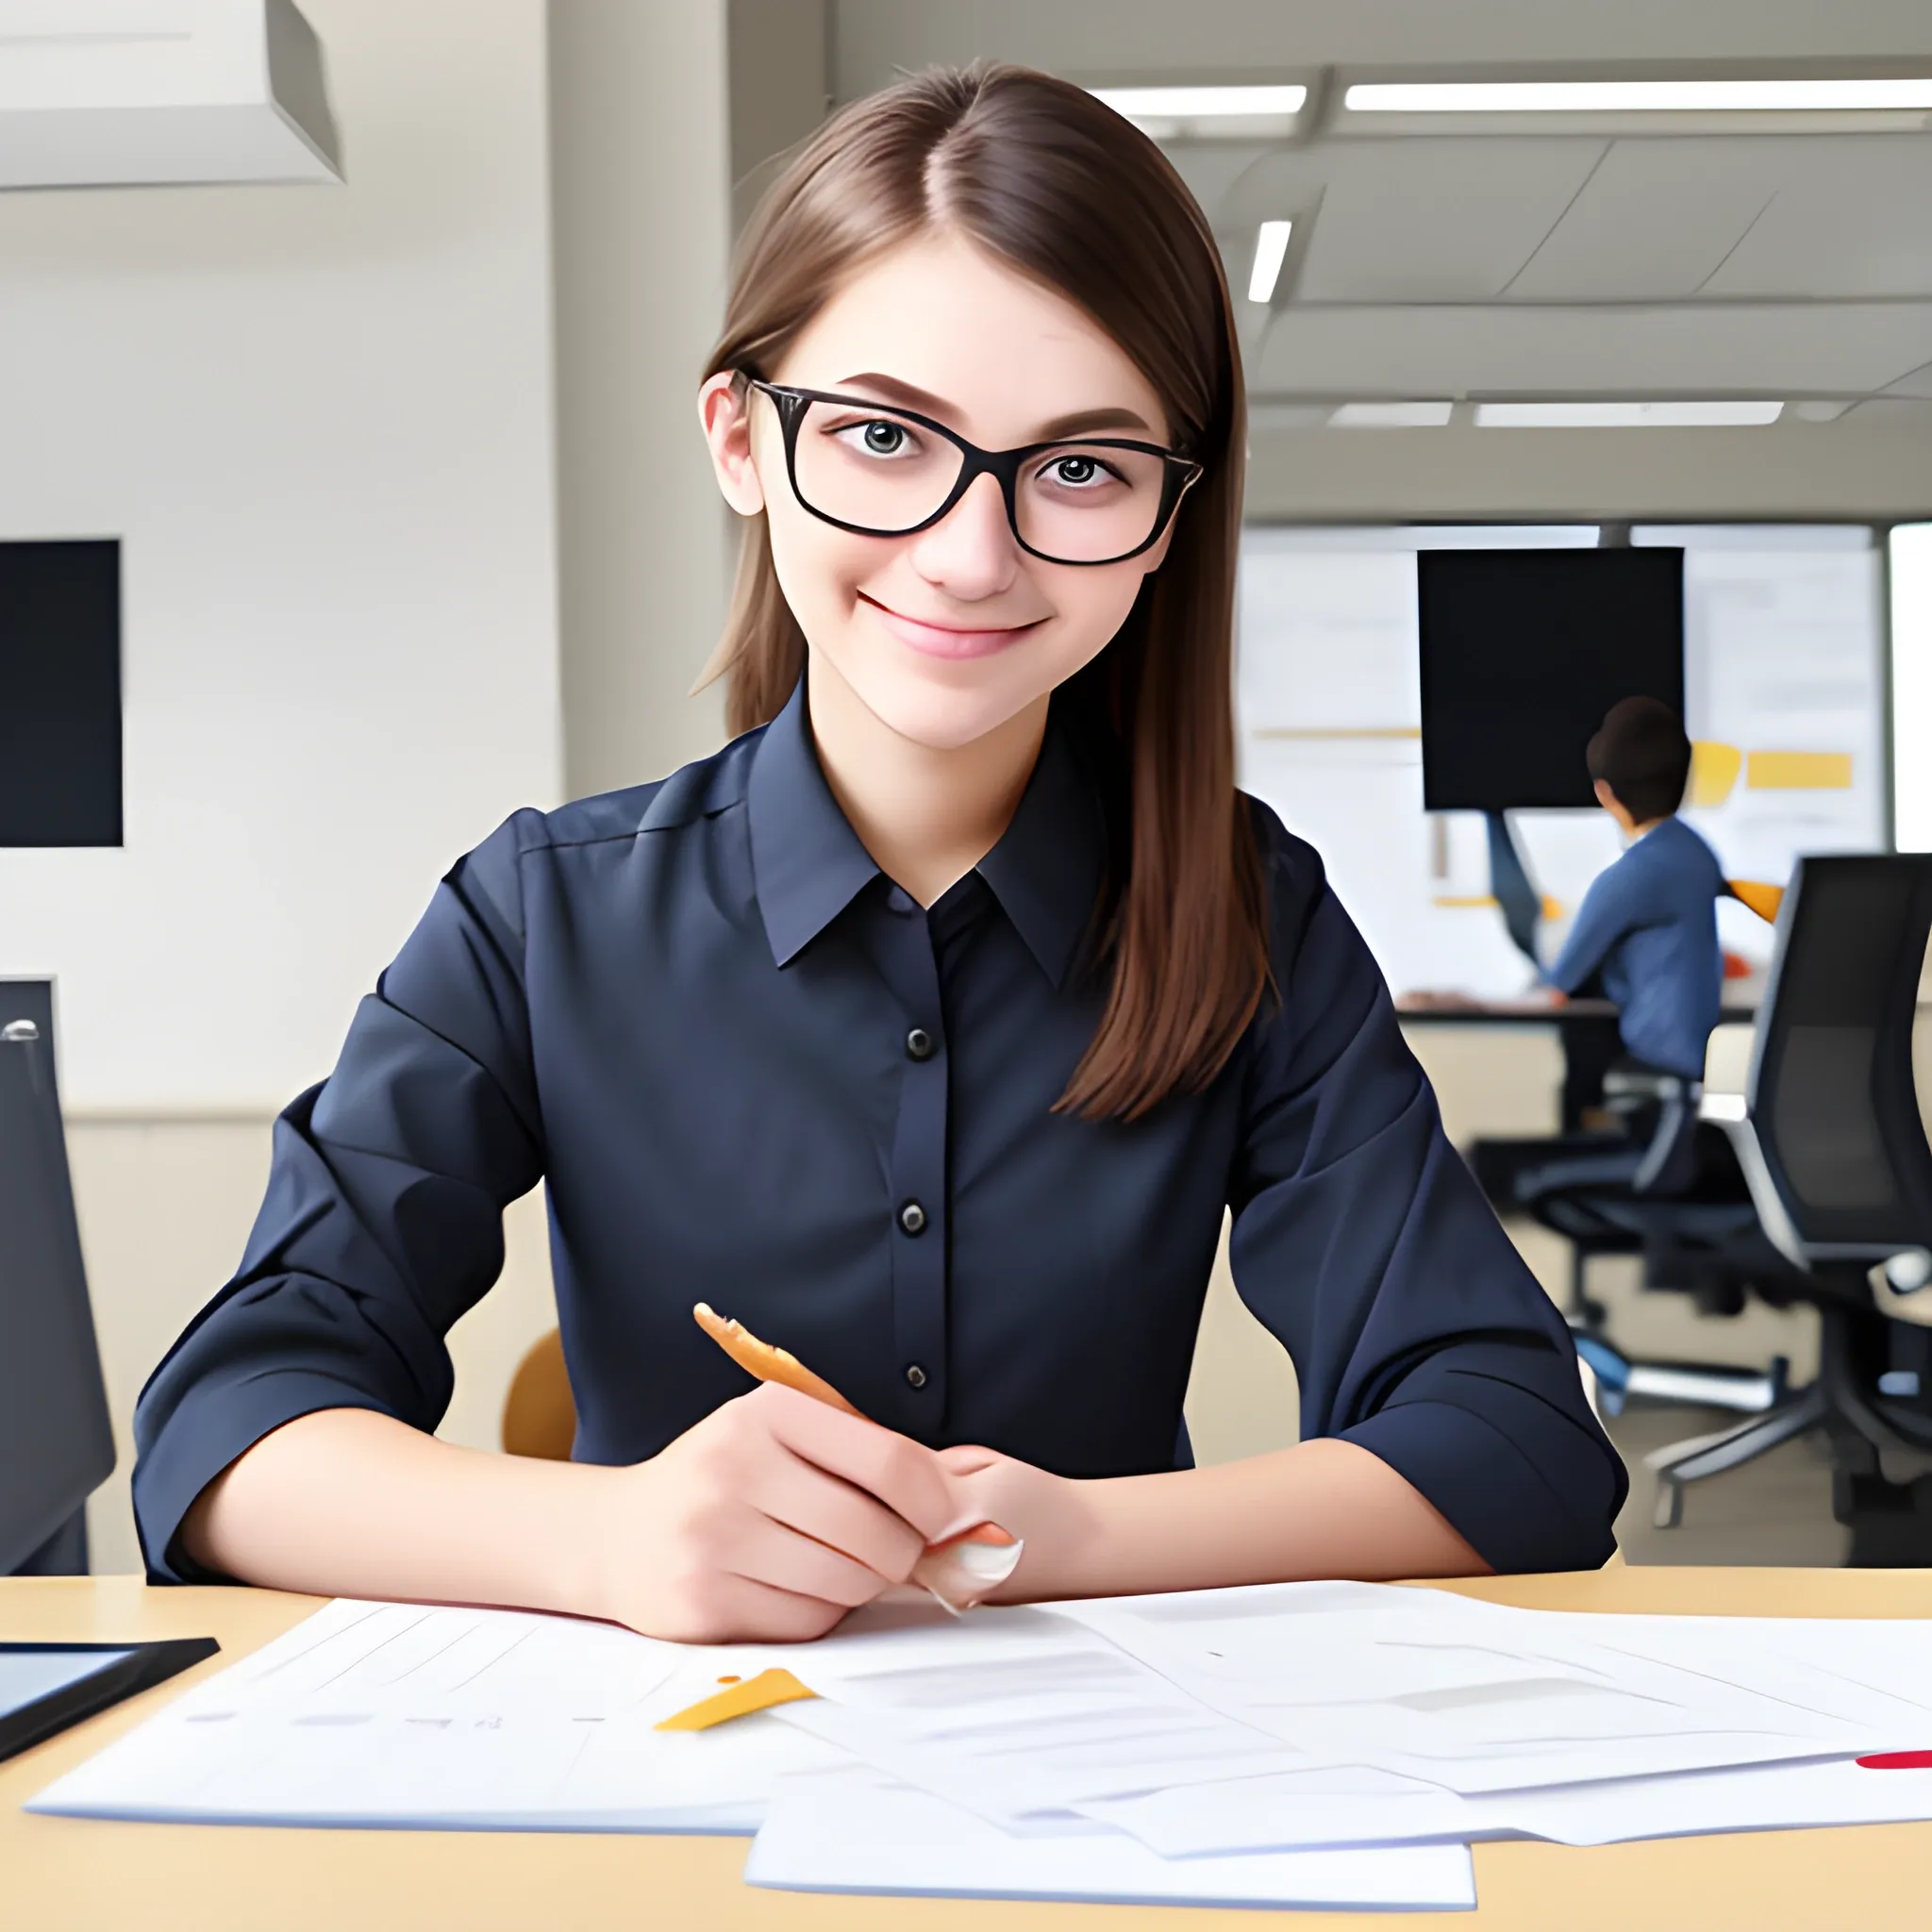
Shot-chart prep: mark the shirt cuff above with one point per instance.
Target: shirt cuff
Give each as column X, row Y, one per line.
column 215, row 1426
column 1536, row 1498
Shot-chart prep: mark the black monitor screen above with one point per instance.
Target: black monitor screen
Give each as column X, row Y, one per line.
column 1523, row 651
column 60, row 693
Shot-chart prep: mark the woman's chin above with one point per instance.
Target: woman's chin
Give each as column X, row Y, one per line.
column 940, row 719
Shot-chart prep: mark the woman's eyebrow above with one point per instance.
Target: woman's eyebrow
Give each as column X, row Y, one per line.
column 1081, row 423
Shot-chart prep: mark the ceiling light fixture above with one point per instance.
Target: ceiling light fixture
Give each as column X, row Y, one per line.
column 1271, row 250
column 1200, row 103
column 1208, row 113
column 1391, row 416
column 1619, row 415
column 1637, row 96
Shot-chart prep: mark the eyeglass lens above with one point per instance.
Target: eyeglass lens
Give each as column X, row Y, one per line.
column 1079, row 503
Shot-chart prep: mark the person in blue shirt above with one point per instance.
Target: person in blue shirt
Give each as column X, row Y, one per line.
column 929, row 1028
column 1647, row 926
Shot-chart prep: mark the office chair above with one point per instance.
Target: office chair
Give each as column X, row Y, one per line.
column 1671, row 1192
column 1832, row 1146
column 540, row 1413
column 56, row 1444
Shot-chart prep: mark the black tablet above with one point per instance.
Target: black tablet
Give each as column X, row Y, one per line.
column 46, row 1687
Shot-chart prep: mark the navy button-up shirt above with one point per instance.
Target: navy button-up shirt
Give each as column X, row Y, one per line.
column 754, row 1072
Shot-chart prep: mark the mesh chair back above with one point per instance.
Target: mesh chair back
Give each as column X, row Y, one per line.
column 55, row 1442
column 1831, row 1094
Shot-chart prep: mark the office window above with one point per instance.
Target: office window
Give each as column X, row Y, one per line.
column 1783, row 685
column 60, row 693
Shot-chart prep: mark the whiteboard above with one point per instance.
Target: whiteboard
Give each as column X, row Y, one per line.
column 1784, row 677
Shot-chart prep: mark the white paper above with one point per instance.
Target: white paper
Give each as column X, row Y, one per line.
column 859, row 1834
column 1020, row 1711
column 1322, row 1808
column 1356, row 1711
column 412, row 1715
column 1480, row 1697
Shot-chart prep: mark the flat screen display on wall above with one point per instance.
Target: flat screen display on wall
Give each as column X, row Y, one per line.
column 60, row 693
column 1523, row 651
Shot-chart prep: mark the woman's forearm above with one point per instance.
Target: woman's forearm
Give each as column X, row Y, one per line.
column 349, row 1502
column 1324, row 1509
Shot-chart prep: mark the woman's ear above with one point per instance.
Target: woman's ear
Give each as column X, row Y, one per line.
column 724, row 414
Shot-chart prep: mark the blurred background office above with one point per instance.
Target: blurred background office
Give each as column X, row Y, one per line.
column 348, row 461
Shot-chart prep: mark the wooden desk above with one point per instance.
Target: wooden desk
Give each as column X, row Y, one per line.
column 65, row 1874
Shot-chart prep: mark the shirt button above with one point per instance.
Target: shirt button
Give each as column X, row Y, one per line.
column 900, row 900
column 912, row 1217
column 915, row 1376
column 919, row 1044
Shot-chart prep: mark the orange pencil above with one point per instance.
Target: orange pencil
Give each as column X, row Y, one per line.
column 767, row 1363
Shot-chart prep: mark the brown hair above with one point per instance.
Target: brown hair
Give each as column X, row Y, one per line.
column 1643, row 756
column 1039, row 173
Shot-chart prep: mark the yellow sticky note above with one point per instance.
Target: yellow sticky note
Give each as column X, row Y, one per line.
column 1799, row 771
column 1714, row 770
column 758, row 1693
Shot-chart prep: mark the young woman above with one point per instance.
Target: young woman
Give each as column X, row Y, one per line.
column 928, row 1028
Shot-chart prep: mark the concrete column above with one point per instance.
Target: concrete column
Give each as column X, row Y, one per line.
column 640, row 186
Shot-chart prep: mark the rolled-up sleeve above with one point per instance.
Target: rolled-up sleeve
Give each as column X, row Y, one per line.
column 1361, row 1241
column 383, row 1219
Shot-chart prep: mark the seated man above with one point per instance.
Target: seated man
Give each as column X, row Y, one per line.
column 1647, row 926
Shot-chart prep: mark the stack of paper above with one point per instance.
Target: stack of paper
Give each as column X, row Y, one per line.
column 1333, row 1744
column 412, row 1715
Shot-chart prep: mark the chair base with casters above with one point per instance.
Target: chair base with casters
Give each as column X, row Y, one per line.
column 1621, row 1380
column 1882, row 1450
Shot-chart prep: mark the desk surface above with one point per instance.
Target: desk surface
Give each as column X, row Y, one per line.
column 65, row 1874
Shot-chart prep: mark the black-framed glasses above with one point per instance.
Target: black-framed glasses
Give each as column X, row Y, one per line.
column 882, row 472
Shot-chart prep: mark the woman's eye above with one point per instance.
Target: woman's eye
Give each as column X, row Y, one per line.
column 1075, row 472
column 884, row 439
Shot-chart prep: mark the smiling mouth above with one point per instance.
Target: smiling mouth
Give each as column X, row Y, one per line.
column 949, row 639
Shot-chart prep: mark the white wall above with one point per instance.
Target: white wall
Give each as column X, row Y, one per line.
column 320, row 420
column 1911, row 684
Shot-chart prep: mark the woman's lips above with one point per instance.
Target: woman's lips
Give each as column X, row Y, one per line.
column 943, row 641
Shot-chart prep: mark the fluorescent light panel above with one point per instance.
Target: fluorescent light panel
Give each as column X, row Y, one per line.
column 1200, row 103
column 1636, row 96
column 1619, row 415
column 1271, row 250
column 1392, row 415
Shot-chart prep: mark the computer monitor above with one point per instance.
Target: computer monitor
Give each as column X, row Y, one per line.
column 56, row 1444
column 1523, row 651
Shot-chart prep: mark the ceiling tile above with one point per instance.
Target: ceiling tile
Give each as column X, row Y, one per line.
column 1782, row 349
column 1853, row 218
column 1437, row 221
column 1652, row 223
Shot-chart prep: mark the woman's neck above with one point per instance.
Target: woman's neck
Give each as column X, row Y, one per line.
column 926, row 816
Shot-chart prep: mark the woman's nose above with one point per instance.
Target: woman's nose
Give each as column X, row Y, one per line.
column 970, row 551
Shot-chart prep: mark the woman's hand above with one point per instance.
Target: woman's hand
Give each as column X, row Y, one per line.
column 1053, row 1515
column 767, row 1522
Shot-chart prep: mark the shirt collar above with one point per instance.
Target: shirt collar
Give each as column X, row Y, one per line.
column 809, row 865
column 1046, row 869
column 807, row 862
